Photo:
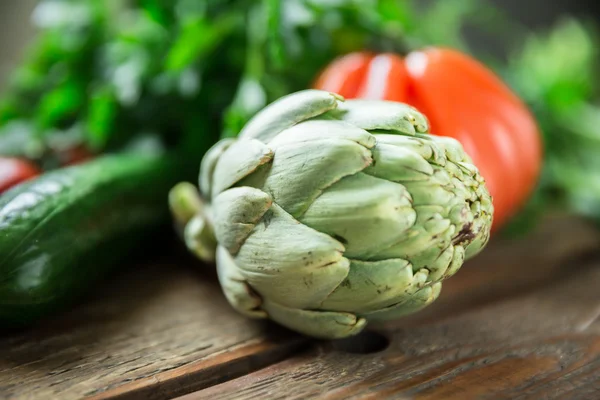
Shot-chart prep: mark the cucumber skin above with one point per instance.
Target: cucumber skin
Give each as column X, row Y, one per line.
column 62, row 232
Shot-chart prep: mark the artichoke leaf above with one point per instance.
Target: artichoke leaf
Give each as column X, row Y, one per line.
column 399, row 164
column 425, row 148
column 436, row 190
column 199, row 238
column 453, row 149
column 290, row 263
column 411, row 304
column 301, row 171
column 431, row 231
column 437, row 260
column 372, row 285
column 454, row 170
column 236, row 212
column 239, row 160
column 208, row 164
column 287, row 112
column 237, row 291
column 318, row 324
column 480, row 234
column 382, row 115
column 458, row 258
column 361, row 206
column 317, row 129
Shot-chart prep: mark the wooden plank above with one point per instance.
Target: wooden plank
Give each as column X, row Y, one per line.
column 542, row 341
column 159, row 331
column 164, row 330
column 509, row 267
column 540, row 345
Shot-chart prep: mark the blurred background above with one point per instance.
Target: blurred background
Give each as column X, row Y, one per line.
column 15, row 32
column 142, row 75
column 16, row 29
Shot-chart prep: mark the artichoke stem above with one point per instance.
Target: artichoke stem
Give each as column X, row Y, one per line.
column 191, row 220
column 185, row 202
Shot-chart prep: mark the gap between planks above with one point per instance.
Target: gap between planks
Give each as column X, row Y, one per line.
column 218, row 368
column 168, row 300
column 527, row 330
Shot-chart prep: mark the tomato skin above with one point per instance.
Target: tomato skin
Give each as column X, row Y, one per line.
column 74, row 155
column 14, row 171
column 462, row 99
column 346, row 75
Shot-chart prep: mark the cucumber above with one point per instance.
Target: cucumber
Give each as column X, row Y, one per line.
column 62, row 232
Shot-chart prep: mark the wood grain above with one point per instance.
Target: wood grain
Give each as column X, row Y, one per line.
column 509, row 267
column 535, row 346
column 541, row 341
column 160, row 330
column 519, row 322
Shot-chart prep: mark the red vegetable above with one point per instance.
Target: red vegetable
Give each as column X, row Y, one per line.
column 14, row 171
column 74, row 155
column 462, row 99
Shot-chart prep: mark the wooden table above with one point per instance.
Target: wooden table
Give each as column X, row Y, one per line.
column 520, row 321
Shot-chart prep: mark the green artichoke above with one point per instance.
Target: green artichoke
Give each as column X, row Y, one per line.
column 325, row 214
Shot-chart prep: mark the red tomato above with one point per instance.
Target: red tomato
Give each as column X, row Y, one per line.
column 14, row 170
column 462, row 99
column 74, row 155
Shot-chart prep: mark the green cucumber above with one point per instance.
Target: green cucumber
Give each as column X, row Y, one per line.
column 63, row 231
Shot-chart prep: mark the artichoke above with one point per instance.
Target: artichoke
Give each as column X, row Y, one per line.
column 327, row 213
